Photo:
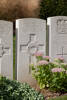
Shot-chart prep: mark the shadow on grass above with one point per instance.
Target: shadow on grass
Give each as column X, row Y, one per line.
column 14, row 38
column 60, row 98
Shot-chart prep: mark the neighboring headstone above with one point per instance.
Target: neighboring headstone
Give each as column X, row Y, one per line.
column 31, row 38
column 58, row 36
column 6, row 49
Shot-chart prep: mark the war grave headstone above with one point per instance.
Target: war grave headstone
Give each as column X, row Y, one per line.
column 6, row 49
column 31, row 38
column 58, row 37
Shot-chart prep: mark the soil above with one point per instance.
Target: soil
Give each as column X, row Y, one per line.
column 47, row 94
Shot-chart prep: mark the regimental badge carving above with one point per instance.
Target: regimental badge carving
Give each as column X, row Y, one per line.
column 62, row 26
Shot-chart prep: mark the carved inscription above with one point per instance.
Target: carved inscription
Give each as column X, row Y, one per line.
column 62, row 52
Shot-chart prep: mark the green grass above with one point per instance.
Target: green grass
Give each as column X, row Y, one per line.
column 60, row 98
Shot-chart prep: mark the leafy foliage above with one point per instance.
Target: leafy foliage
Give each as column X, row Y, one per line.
column 51, row 75
column 13, row 90
column 53, row 8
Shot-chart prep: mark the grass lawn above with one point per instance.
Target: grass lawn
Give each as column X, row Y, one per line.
column 60, row 98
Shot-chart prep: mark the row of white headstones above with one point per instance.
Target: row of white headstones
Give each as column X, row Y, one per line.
column 32, row 35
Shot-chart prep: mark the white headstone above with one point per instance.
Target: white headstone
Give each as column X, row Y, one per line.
column 6, row 49
column 58, row 36
column 31, row 37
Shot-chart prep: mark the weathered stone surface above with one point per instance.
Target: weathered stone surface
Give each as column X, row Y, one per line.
column 58, row 36
column 31, row 37
column 6, row 49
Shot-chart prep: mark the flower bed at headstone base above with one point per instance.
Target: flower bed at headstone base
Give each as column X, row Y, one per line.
column 51, row 76
column 13, row 90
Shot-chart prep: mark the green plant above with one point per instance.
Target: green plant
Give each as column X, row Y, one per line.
column 13, row 90
column 41, row 71
column 52, row 75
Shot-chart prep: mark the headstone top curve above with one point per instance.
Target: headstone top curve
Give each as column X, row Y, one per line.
column 38, row 19
column 4, row 21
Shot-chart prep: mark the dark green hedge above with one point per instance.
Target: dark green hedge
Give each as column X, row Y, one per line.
column 53, row 8
column 13, row 90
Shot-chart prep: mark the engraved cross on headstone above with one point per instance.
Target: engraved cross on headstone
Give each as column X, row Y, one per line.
column 31, row 47
column 62, row 52
column 3, row 50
